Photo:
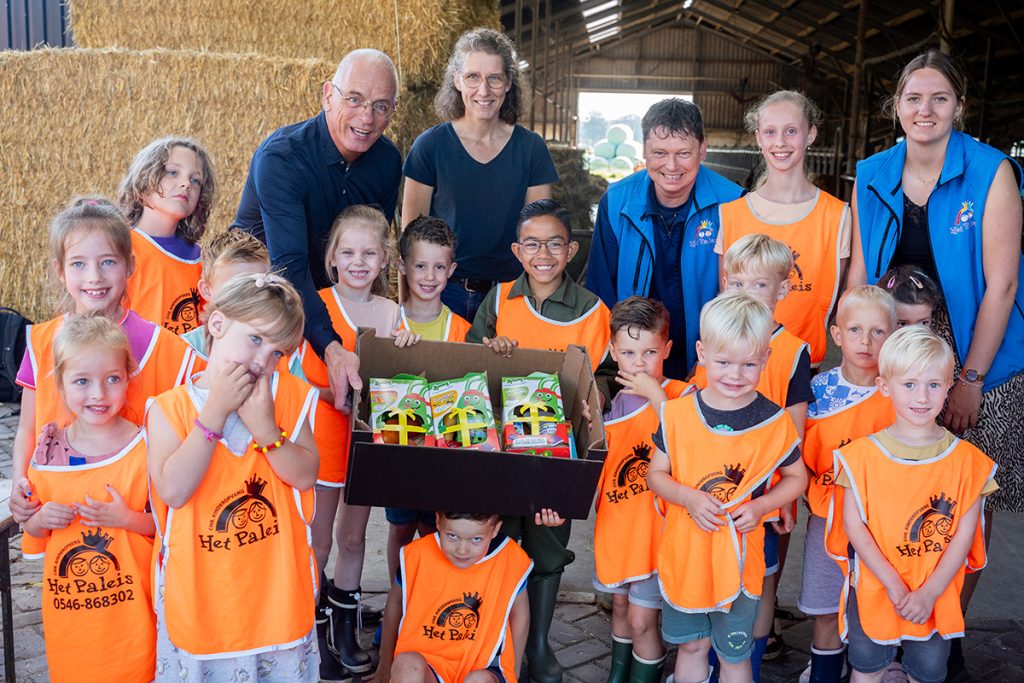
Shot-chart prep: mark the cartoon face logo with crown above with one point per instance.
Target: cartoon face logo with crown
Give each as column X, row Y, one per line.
column 722, row 485
column 634, row 468
column 91, row 556
column 964, row 219
column 250, row 506
column 935, row 518
column 704, row 235
column 456, row 619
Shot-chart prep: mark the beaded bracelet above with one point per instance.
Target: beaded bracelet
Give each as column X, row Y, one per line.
column 208, row 433
column 270, row 447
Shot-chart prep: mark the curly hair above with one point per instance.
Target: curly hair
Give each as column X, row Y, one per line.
column 448, row 103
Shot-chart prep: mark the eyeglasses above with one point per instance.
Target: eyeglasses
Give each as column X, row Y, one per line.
column 554, row 246
column 381, row 109
column 493, row 80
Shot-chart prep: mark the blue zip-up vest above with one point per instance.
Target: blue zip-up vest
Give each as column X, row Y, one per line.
column 955, row 212
column 627, row 204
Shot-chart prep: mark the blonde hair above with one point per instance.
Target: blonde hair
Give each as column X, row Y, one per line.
column 91, row 213
column 260, row 297
column 361, row 215
column 736, row 321
column 233, row 246
column 143, row 179
column 914, row 348
column 82, row 334
column 810, row 110
column 867, row 295
column 757, row 253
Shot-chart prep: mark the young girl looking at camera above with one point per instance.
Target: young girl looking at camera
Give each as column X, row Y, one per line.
column 233, row 463
column 92, row 258
column 916, row 294
column 89, row 479
column 167, row 195
column 359, row 255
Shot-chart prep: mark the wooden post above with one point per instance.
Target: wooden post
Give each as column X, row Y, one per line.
column 517, row 31
column 534, row 84
column 547, row 70
column 946, row 26
column 984, row 91
column 853, row 145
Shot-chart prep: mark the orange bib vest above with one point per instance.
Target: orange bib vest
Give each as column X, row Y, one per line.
column 97, row 599
column 701, row 571
column 912, row 509
column 332, row 431
column 164, row 288
column 237, row 561
column 458, row 619
column 517, row 319
column 167, row 363
column 814, row 279
column 627, row 529
column 778, row 371
column 825, row 434
column 455, row 328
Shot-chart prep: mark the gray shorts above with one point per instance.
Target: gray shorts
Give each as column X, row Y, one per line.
column 731, row 633
column 823, row 580
column 642, row 593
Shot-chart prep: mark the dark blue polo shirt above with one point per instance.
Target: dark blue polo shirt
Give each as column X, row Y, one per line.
column 667, row 281
column 298, row 183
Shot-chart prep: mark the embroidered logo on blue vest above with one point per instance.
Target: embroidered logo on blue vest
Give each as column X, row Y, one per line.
column 964, row 219
column 705, row 234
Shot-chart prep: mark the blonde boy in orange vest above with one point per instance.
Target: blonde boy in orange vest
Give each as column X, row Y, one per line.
column 847, row 405
column 457, row 610
column 717, row 450
column 909, row 499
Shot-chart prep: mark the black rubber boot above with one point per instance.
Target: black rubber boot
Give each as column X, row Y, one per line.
column 344, row 624
column 331, row 670
column 543, row 665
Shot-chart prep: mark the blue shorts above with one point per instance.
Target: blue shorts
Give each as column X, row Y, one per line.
column 771, row 550
column 401, row 516
column 731, row 633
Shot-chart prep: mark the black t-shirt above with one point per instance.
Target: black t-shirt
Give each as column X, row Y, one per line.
column 800, row 383
column 915, row 246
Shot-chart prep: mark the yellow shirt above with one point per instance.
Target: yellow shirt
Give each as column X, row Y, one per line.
column 433, row 330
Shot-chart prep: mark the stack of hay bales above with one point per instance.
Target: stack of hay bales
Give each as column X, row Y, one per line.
column 74, row 118
column 617, row 153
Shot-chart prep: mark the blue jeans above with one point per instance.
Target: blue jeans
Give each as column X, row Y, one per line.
column 462, row 301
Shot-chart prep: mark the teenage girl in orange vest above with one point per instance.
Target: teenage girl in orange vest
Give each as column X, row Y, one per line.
column 167, row 195
column 909, row 499
column 233, row 463
column 359, row 254
column 787, row 206
column 92, row 258
column 90, row 480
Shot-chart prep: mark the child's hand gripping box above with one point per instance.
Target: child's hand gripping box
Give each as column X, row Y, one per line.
column 533, row 418
column 468, row 479
column 399, row 411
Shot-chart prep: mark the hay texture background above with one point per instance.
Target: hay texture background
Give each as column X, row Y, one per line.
column 322, row 29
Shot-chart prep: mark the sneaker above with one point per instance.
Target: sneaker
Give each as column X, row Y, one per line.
column 894, row 673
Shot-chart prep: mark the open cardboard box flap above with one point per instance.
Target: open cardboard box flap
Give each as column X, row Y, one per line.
column 468, row 480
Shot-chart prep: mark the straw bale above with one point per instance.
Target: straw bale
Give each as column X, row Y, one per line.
column 322, row 29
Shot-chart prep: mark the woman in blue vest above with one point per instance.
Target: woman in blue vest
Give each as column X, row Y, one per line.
column 950, row 205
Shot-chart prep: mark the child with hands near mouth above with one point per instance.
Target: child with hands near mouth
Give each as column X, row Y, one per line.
column 233, row 463
column 716, row 452
column 90, row 482
column 908, row 499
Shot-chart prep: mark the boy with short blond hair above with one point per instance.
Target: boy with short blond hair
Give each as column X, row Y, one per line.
column 717, row 451
column 908, row 499
column 847, row 405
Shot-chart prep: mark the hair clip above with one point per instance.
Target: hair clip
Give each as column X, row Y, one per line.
column 916, row 282
column 92, row 202
column 260, row 281
column 891, row 283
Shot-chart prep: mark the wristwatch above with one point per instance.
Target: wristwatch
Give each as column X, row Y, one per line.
column 972, row 376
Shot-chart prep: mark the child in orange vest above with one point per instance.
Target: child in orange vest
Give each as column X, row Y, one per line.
column 909, row 499
column 786, row 205
column 627, row 530
column 90, row 480
column 167, row 195
column 233, row 463
column 847, row 405
column 458, row 597
column 358, row 257
column 915, row 293
column 542, row 309
column 717, row 450
column 760, row 265
column 92, row 257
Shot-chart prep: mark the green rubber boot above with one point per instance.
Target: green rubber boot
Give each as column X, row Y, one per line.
column 543, row 665
column 645, row 670
column 622, row 657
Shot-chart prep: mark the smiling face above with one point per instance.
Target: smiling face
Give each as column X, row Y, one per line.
column 427, row 269
column 359, row 258
column 672, row 163
column 928, row 106
column 355, row 129
column 919, row 394
column 783, row 134
column 465, row 541
column 483, row 101
column 94, row 385
column 177, row 194
column 646, row 353
column 543, row 268
column 249, row 344
column 860, row 331
column 732, row 374
column 767, row 287
column 93, row 272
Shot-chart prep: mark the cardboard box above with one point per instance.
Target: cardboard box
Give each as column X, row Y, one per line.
column 469, row 480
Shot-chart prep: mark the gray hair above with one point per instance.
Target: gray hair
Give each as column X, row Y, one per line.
column 448, row 102
column 366, row 55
